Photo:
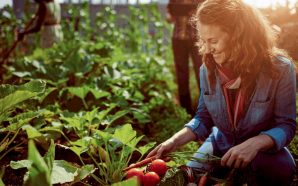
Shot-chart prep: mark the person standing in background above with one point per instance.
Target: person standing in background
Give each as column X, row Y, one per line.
column 47, row 19
column 183, row 46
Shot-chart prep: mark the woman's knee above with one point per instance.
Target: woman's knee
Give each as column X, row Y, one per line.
column 274, row 168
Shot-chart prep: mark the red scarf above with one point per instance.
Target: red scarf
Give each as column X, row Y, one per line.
column 233, row 94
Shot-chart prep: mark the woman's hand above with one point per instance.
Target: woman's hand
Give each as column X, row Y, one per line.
column 180, row 138
column 241, row 155
column 163, row 148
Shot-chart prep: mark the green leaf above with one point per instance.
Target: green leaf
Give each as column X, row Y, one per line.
column 39, row 173
column 76, row 123
column 84, row 171
column 46, row 93
column 130, row 182
column 32, row 86
column 32, row 132
column 63, row 172
column 80, row 146
column 20, row 164
column 22, row 74
column 144, row 149
column 125, row 133
column 2, row 170
column 133, row 143
column 50, row 156
column 13, row 99
column 81, row 92
column 105, row 135
column 103, row 113
column 20, row 120
column 13, row 95
column 99, row 93
column 90, row 116
column 4, row 145
column 116, row 116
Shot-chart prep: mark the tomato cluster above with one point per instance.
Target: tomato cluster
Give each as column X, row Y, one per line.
column 151, row 176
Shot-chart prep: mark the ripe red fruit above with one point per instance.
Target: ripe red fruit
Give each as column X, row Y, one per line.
column 150, row 179
column 158, row 166
column 135, row 172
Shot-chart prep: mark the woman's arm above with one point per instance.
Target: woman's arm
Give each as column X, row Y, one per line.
column 241, row 155
column 182, row 137
column 284, row 124
column 283, row 129
column 198, row 128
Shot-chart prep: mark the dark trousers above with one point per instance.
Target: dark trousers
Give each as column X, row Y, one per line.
column 276, row 169
column 182, row 51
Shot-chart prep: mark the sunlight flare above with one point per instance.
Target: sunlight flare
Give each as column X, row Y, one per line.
column 270, row 3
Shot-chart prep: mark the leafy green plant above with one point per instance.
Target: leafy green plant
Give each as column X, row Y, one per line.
column 47, row 171
column 10, row 97
column 110, row 152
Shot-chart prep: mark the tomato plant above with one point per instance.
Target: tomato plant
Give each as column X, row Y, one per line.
column 135, row 172
column 150, row 179
column 158, row 166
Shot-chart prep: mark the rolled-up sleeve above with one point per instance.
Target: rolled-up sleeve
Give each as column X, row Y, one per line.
column 285, row 108
column 202, row 123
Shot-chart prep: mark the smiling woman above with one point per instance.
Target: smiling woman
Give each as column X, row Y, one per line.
column 246, row 113
column 270, row 3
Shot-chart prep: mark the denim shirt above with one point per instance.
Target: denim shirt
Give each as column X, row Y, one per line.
column 272, row 110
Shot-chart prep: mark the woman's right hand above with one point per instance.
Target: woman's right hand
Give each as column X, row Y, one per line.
column 182, row 137
column 163, row 149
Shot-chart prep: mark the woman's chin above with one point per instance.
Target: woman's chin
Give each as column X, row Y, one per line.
column 218, row 61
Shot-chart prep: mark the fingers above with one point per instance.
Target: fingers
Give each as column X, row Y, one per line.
column 225, row 159
column 153, row 152
column 238, row 163
column 230, row 159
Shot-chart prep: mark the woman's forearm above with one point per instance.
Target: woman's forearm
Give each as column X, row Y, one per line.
column 182, row 137
column 263, row 142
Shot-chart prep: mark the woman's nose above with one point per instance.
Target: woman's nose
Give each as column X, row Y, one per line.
column 209, row 49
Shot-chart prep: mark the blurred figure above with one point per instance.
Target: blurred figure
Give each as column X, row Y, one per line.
column 183, row 45
column 47, row 19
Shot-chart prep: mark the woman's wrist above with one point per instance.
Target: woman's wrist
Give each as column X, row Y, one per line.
column 263, row 142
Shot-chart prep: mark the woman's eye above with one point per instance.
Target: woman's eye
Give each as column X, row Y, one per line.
column 213, row 42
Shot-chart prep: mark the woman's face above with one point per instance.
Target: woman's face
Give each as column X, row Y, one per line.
column 215, row 41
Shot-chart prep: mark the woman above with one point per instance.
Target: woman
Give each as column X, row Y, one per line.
column 247, row 110
column 47, row 19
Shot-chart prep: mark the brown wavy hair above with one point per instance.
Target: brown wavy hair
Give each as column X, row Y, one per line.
column 252, row 43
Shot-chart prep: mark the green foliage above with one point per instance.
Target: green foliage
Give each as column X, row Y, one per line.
column 11, row 96
column 47, row 171
column 111, row 152
column 8, row 24
column 105, row 97
column 39, row 173
column 130, row 182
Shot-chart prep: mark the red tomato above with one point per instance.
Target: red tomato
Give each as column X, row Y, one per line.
column 150, row 179
column 135, row 172
column 158, row 166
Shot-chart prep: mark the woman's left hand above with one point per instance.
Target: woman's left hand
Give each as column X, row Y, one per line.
column 241, row 155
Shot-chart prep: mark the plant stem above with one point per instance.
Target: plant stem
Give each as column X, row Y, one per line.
column 11, row 149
